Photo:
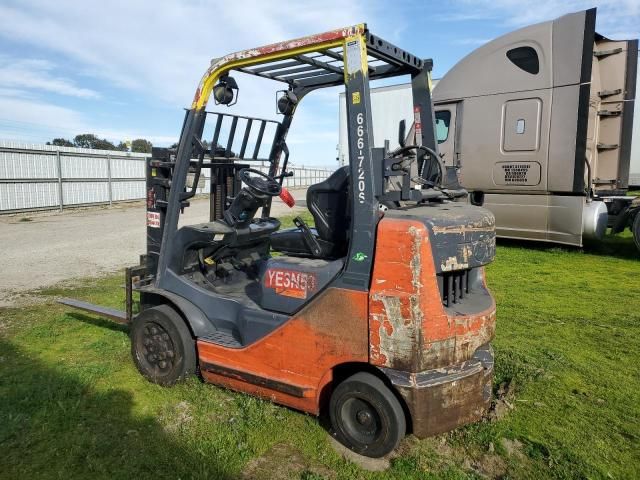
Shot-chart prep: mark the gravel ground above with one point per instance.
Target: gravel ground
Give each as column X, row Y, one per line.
column 41, row 250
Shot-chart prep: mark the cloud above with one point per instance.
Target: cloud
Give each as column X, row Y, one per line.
column 28, row 119
column 31, row 119
column 160, row 49
column 25, row 74
column 152, row 54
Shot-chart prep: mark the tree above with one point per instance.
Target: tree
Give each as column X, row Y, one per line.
column 61, row 142
column 122, row 147
column 89, row 140
column 141, row 145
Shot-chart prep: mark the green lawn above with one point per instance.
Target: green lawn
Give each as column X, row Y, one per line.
column 72, row 404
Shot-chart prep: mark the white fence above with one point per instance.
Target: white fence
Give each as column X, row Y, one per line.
column 38, row 177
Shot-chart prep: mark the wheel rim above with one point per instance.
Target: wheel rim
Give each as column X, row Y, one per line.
column 156, row 348
column 361, row 420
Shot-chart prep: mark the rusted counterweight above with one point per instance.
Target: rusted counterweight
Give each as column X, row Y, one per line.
column 436, row 354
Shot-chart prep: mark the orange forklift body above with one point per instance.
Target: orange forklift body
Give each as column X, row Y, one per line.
column 397, row 325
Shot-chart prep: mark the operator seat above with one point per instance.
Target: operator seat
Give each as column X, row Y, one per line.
column 328, row 202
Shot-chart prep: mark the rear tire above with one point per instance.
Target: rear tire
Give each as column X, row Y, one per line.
column 161, row 346
column 366, row 416
column 635, row 229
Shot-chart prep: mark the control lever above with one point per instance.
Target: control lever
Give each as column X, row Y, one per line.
column 283, row 175
column 308, row 237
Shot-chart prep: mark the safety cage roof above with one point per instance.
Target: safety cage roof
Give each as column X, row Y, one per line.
column 325, row 66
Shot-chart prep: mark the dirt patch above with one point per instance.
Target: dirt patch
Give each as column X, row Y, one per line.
column 503, row 402
column 489, row 465
column 436, row 453
column 177, row 417
column 284, row 462
column 366, row 463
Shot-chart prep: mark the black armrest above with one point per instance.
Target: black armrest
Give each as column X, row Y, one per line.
column 308, row 237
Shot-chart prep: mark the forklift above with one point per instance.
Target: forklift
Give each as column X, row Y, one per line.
column 377, row 315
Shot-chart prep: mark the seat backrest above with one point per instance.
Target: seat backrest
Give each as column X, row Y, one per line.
column 328, row 202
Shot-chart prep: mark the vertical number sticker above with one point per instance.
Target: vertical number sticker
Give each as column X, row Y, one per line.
column 360, row 146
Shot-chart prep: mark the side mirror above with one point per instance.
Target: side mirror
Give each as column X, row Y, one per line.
column 402, row 132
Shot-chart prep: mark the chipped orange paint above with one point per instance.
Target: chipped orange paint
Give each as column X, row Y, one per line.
column 331, row 330
column 409, row 328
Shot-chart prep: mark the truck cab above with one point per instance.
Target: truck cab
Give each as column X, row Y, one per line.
column 542, row 135
column 538, row 125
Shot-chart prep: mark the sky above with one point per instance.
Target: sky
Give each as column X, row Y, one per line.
column 127, row 69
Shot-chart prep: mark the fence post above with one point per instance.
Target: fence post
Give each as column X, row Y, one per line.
column 109, row 179
column 59, row 169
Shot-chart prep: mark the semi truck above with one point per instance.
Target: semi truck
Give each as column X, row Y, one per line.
column 538, row 126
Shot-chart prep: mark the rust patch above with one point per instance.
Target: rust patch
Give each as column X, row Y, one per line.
column 217, row 64
column 416, row 258
column 443, row 407
column 453, row 263
column 397, row 333
column 409, row 328
column 485, row 224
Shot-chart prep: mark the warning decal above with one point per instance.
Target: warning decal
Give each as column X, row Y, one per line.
column 354, row 58
column 290, row 283
column 417, row 121
column 153, row 219
column 516, row 172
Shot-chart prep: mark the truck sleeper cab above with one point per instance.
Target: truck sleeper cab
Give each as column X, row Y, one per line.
column 538, row 123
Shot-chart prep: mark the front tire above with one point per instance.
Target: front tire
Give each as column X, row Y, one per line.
column 161, row 346
column 366, row 416
column 635, row 228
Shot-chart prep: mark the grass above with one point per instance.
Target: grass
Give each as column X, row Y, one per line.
column 72, row 404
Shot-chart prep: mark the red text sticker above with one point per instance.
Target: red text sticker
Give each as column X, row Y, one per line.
column 290, row 283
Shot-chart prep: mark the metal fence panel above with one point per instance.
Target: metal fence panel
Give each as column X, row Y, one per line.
column 84, row 167
column 34, row 176
column 80, row 193
column 27, row 165
column 27, row 196
column 127, row 190
column 127, row 168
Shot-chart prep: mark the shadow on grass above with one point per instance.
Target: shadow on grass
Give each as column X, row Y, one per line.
column 99, row 322
column 613, row 246
column 617, row 246
column 54, row 424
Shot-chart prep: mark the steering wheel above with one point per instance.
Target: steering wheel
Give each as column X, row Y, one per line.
column 262, row 183
column 432, row 154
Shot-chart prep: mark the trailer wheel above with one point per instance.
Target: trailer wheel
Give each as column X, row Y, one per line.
column 366, row 416
column 161, row 346
column 635, row 228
